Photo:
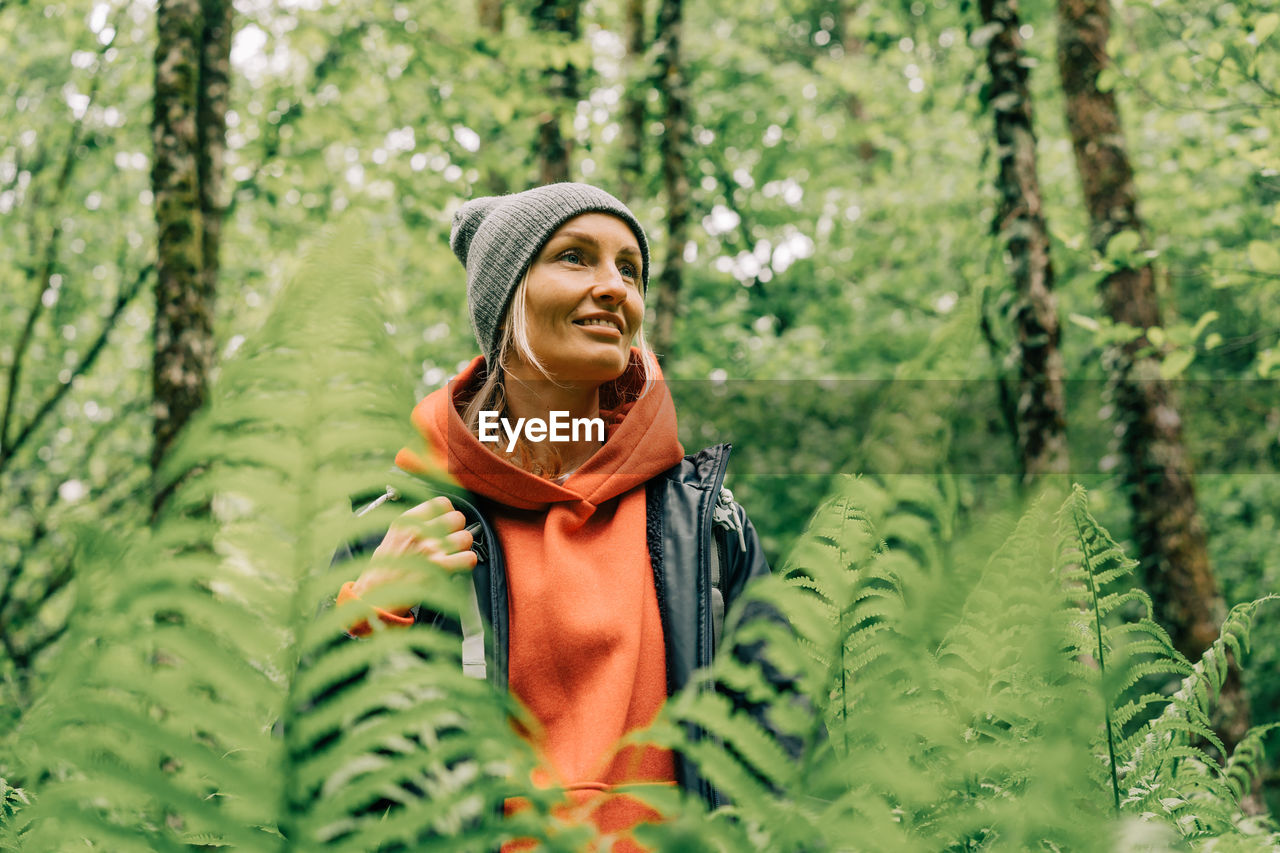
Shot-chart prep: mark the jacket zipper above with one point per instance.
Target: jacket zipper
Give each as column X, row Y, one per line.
column 708, row 525
column 710, row 794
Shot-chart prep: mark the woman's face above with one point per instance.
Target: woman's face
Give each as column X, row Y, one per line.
column 583, row 301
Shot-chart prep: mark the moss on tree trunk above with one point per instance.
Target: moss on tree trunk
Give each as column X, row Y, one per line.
column 1167, row 525
column 1040, row 406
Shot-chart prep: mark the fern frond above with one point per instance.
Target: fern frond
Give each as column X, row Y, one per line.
column 758, row 750
column 1187, row 713
column 213, row 700
column 1245, row 764
column 1153, row 755
column 12, row 822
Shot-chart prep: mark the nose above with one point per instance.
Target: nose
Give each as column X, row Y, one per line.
column 610, row 287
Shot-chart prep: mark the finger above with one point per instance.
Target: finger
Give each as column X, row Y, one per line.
column 460, row 540
column 453, row 520
column 435, row 527
column 423, row 513
column 428, row 510
column 462, row 561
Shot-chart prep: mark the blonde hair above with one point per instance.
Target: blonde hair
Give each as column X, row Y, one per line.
column 514, row 341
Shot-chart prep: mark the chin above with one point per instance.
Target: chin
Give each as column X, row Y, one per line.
column 598, row 369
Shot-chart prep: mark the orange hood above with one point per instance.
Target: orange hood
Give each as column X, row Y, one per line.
column 641, row 443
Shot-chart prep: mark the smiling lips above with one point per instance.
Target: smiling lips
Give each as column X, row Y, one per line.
column 599, row 323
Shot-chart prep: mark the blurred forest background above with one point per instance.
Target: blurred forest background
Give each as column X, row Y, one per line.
column 1085, row 201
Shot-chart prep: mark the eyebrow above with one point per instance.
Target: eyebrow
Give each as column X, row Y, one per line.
column 631, row 251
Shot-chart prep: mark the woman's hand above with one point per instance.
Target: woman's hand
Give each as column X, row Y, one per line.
column 434, row 529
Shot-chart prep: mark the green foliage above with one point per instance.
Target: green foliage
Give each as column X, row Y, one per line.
column 1010, row 726
column 74, row 364
column 840, row 207
column 1243, row 509
column 932, row 685
column 840, row 201
column 201, row 700
column 12, row 801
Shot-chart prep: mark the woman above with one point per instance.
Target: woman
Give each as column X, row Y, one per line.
column 602, row 563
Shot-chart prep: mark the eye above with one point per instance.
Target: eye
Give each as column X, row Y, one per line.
column 629, row 270
column 572, row 256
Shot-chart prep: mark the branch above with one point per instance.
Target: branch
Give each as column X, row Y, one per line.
column 19, row 353
column 136, row 495
column 27, row 608
column 123, row 298
column 1176, row 33
column 1233, row 344
column 46, row 272
column 22, row 657
column 39, row 530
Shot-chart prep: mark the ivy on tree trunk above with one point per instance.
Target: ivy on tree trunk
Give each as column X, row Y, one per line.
column 1040, row 406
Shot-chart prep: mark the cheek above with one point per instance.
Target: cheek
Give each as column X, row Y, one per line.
column 544, row 316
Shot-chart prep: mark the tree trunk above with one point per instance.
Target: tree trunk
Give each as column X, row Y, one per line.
column 843, row 32
column 192, row 69
column 1167, row 525
column 675, row 180
column 214, row 98
column 633, row 113
column 1040, row 406
column 492, row 21
column 491, row 17
column 554, row 149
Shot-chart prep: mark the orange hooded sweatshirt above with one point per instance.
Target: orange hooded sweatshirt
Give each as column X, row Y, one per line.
column 586, row 645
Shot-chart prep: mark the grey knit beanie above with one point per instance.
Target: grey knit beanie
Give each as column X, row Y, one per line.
column 497, row 237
